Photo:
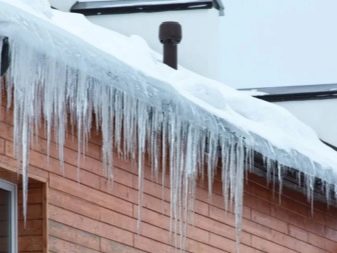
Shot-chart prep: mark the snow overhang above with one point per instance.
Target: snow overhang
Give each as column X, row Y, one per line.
column 209, row 104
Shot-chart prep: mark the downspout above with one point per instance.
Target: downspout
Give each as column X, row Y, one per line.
column 4, row 56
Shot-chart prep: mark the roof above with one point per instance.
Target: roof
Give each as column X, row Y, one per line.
column 92, row 7
column 295, row 92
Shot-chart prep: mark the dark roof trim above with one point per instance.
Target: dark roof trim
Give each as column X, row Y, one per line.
column 291, row 180
column 297, row 93
column 135, row 6
column 329, row 145
column 298, row 96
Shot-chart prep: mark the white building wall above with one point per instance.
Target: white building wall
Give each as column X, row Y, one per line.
column 319, row 114
column 199, row 49
column 201, row 44
column 63, row 5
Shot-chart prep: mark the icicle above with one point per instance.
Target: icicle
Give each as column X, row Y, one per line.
column 327, row 190
column 280, row 181
column 106, row 115
column 239, row 190
column 141, row 133
column 163, row 154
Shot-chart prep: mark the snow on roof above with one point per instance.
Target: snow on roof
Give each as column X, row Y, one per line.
column 61, row 62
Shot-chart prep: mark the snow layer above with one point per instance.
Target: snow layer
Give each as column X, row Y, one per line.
column 62, row 63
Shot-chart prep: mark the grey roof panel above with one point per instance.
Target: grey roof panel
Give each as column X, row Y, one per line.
column 298, row 92
column 91, row 7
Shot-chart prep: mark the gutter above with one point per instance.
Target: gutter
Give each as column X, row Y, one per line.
column 136, row 6
column 298, row 96
column 5, row 59
column 297, row 93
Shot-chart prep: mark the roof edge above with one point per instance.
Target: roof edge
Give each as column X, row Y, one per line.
column 296, row 92
column 132, row 6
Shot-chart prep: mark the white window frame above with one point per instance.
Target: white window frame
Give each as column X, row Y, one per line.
column 12, row 189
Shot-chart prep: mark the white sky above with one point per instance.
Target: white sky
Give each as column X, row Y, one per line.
column 279, row 42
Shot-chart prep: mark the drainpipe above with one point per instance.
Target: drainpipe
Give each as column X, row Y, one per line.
column 4, row 54
column 170, row 35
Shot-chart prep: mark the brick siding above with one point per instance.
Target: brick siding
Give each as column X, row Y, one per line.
column 93, row 215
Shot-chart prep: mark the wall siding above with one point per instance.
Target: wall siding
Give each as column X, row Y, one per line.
column 91, row 215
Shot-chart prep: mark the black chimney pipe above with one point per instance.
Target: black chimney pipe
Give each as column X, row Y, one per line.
column 170, row 35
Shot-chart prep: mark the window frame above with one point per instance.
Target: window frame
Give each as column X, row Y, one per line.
column 12, row 189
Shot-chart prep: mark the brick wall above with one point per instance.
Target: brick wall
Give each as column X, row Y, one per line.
column 94, row 215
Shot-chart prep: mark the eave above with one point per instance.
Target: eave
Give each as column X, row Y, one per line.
column 132, row 6
column 297, row 93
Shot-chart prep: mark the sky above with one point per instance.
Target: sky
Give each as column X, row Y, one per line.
column 276, row 43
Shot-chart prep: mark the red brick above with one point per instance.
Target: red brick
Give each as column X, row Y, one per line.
column 219, row 228
column 108, row 246
column 324, row 243
column 72, row 203
column 76, row 236
column 229, row 245
column 298, row 233
column 30, row 243
column 34, row 196
column 269, row 221
column 90, row 225
column 119, row 190
column 89, row 179
column 32, row 227
column 152, row 246
column 59, row 245
column 91, row 195
column 268, row 246
column 197, row 247
column 153, row 218
column 331, row 234
column 116, row 219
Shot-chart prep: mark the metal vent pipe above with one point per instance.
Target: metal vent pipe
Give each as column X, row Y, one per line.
column 170, row 35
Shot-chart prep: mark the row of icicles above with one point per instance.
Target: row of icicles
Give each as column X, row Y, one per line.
column 43, row 93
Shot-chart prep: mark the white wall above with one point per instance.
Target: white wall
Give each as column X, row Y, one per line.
column 257, row 43
column 319, row 114
column 199, row 49
column 63, row 5
column 276, row 43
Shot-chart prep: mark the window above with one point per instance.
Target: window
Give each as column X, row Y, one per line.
column 8, row 217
